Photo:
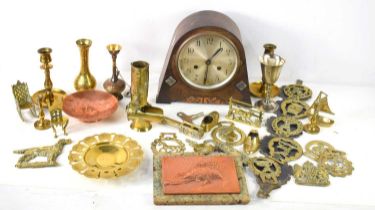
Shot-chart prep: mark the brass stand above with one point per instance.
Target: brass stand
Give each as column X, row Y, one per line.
column 42, row 123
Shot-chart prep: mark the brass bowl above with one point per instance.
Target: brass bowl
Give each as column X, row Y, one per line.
column 105, row 155
column 90, row 105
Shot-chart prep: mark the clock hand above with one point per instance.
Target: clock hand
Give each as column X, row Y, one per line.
column 206, row 73
column 216, row 53
column 208, row 62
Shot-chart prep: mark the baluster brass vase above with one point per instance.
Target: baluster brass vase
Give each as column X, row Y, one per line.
column 85, row 80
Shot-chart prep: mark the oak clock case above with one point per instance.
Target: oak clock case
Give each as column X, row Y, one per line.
column 205, row 62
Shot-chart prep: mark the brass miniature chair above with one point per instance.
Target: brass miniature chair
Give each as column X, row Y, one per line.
column 23, row 99
column 57, row 119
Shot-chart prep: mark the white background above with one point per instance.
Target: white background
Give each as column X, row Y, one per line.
column 328, row 44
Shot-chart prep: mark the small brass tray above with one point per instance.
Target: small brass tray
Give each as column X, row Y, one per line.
column 105, row 155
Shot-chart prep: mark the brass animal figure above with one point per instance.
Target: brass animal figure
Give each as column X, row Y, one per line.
column 50, row 152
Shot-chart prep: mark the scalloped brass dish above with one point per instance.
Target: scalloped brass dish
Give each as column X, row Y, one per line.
column 105, row 155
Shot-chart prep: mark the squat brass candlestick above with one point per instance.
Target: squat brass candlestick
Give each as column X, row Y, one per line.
column 48, row 94
column 85, row 80
column 258, row 89
column 114, row 85
column 42, row 123
column 271, row 68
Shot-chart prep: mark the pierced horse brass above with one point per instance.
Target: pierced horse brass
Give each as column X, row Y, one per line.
column 243, row 112
column 311, row 175
column 227, row 133
column 167, row 143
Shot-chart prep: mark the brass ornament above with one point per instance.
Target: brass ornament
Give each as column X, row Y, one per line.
column 298, row 91
column 42, row 123
column 105, row 155
column 226, row 132
column 243, row 112
column 23, row 99
column 287, row 126
column 204, row 148
column 167, row 143
column 311, row 175
column 189, row 118
column 284, row 149
column 267, row 169
column 336, row 164
column 210, row 121
column 294, row 108
column 49, row 152
column 252, row 142
column 320, row 105
column 85, row 80
column 315, row 149
column 58, row 120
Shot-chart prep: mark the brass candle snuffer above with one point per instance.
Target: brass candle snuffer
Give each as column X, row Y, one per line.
column 85, row 80
column 258, row 89
column 271, row 66
column 48, row 93
column 115, row 85
column 320, row 105
column 141, row 113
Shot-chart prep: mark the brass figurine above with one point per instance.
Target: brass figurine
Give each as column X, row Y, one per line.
column 271, row 68
column 252, row 142
column 49, row 94
column 258, row 89
column 311, row 175
column 42, row 123
column 23, row 99
column 167, row 143
column 85, row 80
column 210, row 121
column 50, row 152
column 58, row 120
column 298, row 91
column 287, row 126
column 115, row 85
column 243, row 112
column 320, row 105
column 227, row 132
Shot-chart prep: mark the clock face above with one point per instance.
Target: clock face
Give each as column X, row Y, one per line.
column 207, row 60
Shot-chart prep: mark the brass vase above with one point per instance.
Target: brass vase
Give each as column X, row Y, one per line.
column 114, row 85
column 85, row 80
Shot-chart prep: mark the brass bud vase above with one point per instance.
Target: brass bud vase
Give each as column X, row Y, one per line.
column 114, row 85
column 85, row 80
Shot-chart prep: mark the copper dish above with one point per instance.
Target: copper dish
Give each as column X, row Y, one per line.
column 90, row 105
column 106, row 155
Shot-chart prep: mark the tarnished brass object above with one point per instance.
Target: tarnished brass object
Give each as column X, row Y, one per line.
column 23, row 99
column 287, row 126
column 139, row 108
column 267, row 169
column 42, row 123
column 114, row 85
column 284, row 149
column 204, row 148
column 311, row 175
column 50, row 152
column 189, row 118
column 85, row 80
column 294, row 108
column 49, row 93
column 243, row 112
column 210, row 121
column 298, row 91
column 227, row 132
column 315, row 149
column 258, row 89
column 58, row 120
column 167, row 143
column 252, row 142
column 320, row 105
column 271, row 69
column 106, row 155
column 336, row 163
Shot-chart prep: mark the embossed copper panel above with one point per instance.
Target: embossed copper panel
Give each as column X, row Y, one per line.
column 199, row 175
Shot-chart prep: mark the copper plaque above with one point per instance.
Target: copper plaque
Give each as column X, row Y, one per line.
column 199, row 175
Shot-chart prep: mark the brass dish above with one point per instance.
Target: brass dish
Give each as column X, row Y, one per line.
column 106, row 155
column 90, row 105
column 256, row 90
column 58, row 95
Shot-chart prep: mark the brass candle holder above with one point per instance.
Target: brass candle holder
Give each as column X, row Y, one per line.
column 271, row 68
column 258, row 89
column 85, row 80
column 42, row 123
column 114, row 85
column 49, row 93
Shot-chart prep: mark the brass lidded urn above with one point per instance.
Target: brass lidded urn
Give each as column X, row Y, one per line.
column 85, row 80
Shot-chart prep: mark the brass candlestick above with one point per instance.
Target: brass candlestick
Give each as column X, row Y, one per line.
column 271, row 69
column 85, row 80
column 258, row 89
column 42, row 123
column 114, row 85
column 49, row 93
